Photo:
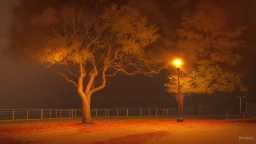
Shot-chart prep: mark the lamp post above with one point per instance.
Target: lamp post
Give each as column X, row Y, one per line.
column 240, row 104
column 240, row 101
column 178, row 63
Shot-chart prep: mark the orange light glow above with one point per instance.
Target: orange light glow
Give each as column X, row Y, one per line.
column 177, row 62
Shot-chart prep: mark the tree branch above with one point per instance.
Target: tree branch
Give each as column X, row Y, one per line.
column 70, row 71
column 115, row 55
column 113, row 73
column 134, row 72
column 68, row 79
column 93, row 74
column 126, row 72
column 103, row 83
column 65, row 77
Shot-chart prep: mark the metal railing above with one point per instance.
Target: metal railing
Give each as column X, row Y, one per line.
column 33, row 114
column 39, row 114
column 239, row 115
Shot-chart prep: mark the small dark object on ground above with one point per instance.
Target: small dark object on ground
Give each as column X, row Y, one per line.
column 180, row 120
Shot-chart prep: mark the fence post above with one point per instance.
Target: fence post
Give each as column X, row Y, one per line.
column 13, row 114
column 127, row 112
column 156, row 111
column 163, row 111
column 27, row 114
column 42, row 113
column 105, row 112
column 56, row 113
column 96, row 112
column 50, row 113
column 140, row 111
column 72, row 113
column 108, row 112
column 149, row 111
column 116, row 112
column 60, row 113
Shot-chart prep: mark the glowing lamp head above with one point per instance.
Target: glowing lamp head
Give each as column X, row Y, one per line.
column 177, row 63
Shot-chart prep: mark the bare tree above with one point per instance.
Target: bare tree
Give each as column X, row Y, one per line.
column 91, row 45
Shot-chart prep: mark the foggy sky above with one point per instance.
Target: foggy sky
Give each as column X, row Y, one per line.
column 31, row 86
column 22, row 84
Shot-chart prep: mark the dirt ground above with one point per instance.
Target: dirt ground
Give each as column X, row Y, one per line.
column 132, row 130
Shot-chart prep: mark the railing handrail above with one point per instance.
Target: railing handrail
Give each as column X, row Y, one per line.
column 28, row 114
column 96, row 108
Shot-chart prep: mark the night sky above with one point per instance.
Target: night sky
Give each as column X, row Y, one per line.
column 32, row 86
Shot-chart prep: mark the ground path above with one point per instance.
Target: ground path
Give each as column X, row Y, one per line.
column 129, row 130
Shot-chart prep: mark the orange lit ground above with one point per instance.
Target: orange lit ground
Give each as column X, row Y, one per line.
column 129, row 131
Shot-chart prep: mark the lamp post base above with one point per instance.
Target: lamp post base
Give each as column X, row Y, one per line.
column 180, row 120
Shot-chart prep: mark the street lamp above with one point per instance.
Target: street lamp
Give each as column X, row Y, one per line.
column 178, row 63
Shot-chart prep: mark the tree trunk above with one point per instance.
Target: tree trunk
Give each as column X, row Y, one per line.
column 86, row 110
